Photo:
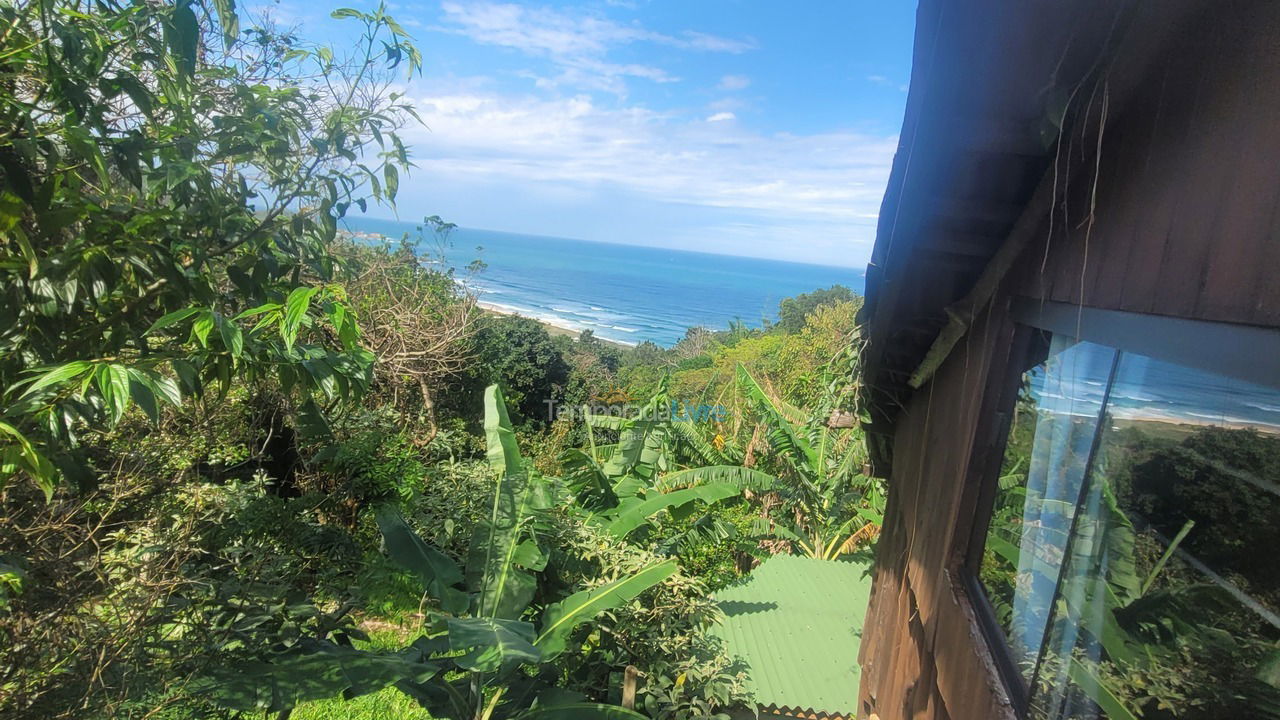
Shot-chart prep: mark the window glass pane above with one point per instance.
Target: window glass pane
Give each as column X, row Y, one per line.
column 1169, row 602
column 1133, row 555
column 1053, row 428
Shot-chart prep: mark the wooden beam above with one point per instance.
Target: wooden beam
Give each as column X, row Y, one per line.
column 960, row 314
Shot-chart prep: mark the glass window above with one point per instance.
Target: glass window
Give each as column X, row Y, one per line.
column 1131, row 558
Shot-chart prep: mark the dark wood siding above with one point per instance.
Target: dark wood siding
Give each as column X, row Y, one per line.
column 922, row 655
column 1173, row 209
column 1185, row 219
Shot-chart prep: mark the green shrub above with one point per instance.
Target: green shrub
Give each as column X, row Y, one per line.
column 685, row 671
column 373, row 467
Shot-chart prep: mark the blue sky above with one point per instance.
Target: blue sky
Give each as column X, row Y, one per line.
column 749, row 128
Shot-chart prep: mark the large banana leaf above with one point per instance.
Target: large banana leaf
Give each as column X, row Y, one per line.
column 587, row 480
column 850, row 465
column 604, row 452
column 629, row 486
column 1087, row 680
column 1120, row 540
column 736, row 475
column 500, row 438
column 635, row 513
column 644, row 442
column 805, row 544
column 873, row 515
column 489, row 644
column 581, row 711
column 316, row 671
column 560, row 619
column 643, row 450
column 443, row 698
column 499, row 560
column 437, row 572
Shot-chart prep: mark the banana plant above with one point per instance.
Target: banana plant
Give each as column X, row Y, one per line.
column 833, row 507
column 622, row 486
column 487, row 650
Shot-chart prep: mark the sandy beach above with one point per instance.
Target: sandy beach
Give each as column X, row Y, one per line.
column 551, row 327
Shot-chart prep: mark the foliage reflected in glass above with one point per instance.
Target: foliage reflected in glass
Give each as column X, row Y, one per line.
column 1128, row 556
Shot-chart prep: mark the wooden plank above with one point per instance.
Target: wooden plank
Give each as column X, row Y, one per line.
column 956, row 407
column 1205, row 168
column 1159, row 188
column 1241, row 269
column 967, row 677
column 1130, row 139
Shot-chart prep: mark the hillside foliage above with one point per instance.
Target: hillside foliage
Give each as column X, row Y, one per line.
column 251, row 463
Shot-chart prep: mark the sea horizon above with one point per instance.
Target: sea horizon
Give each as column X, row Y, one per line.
column 411, row 224
column 622, row 293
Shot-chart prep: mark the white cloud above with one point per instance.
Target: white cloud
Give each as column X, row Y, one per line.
column 883, row 81
column 729, row 104
column 835, row 177
column 577, row 43
column 734, row 82
column 711, row 43
column 721, row 117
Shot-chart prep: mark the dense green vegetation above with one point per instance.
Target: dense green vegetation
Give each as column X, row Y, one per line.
column 250, row 465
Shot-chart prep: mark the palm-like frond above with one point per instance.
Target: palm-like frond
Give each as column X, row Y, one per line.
column 637, row 512
column 735, row 475
column 587, row 480
column 785, row 437
column 703, row 451
column 559, row 619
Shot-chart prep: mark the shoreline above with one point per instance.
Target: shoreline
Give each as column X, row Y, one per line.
column 552, row 328
column 1169, row 425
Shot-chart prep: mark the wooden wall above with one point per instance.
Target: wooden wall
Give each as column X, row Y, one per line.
column 922, row 655
column 1172, row 209
column 1185, row 221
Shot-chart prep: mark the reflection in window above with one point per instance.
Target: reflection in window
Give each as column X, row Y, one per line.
column 1131, row 556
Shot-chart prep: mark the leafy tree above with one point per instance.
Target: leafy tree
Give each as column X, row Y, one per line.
column 518, row 354
column 171, row 190
column 793, row 311
column 1207, row 479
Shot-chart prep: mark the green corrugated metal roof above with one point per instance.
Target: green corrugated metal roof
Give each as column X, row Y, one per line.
column 796, row 623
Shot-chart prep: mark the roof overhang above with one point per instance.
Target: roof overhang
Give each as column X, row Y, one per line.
column 990, row 84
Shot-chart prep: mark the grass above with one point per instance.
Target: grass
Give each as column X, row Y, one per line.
column 388, row 704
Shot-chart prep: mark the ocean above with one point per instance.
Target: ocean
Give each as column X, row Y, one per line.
column 1149, row 390
column 630, row 294
column 624, row 293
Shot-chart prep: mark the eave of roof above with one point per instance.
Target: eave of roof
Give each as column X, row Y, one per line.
column 989, row 83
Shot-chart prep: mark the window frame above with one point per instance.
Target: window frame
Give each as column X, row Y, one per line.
column 1243, row 352
column 1004, row 384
